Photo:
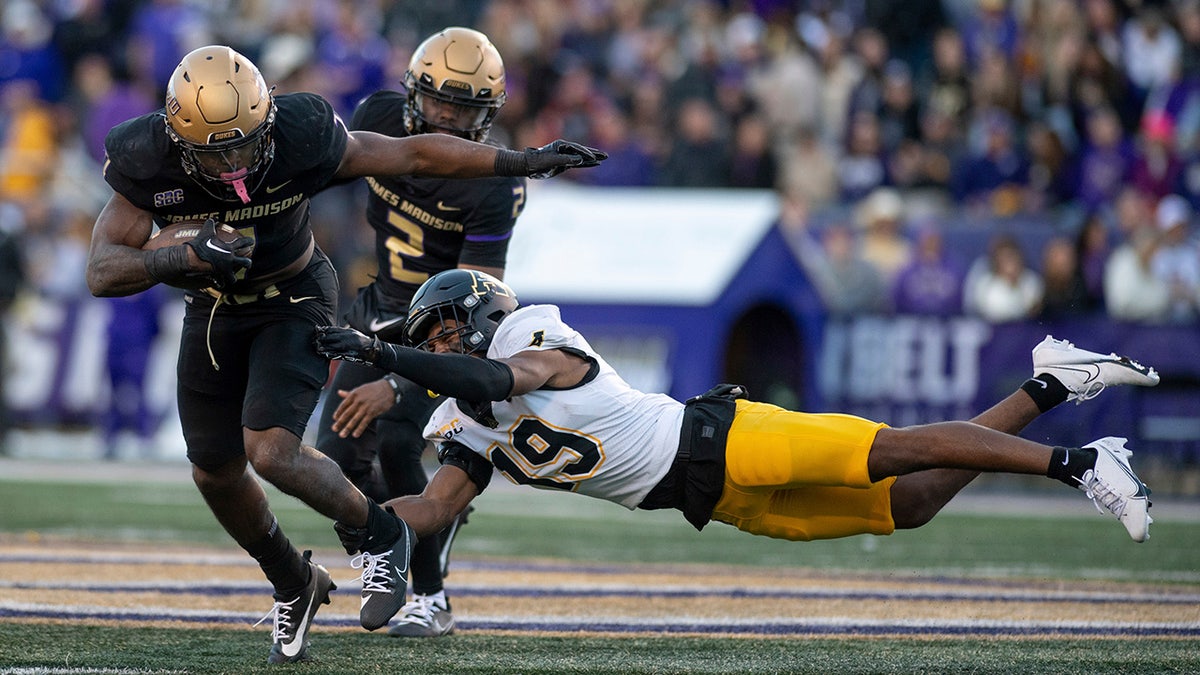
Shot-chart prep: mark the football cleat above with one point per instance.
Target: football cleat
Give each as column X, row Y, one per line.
column 425, row 616
column 294, row 617
column 1114, row 488
column 447, row 538
column 385, row 579
column 1085, row 374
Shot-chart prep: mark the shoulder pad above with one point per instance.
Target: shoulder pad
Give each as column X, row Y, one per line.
column 307, row 130
column 381, row 112
column 138, row 147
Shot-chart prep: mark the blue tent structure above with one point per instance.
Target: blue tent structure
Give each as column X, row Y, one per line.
column 680, row 290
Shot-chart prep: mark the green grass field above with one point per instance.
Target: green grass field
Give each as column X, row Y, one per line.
column 1060, row 544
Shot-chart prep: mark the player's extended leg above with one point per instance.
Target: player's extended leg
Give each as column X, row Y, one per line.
column 401, row 446
column 239, row 503
column 1061, row 372
column 355, row 456
column 917, row 497
column 797, row 476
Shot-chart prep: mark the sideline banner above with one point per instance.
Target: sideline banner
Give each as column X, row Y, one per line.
column 56, row 362
column 911, row 370
column 898, row 369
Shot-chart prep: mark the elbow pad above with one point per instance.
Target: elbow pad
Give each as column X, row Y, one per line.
column 478, row 469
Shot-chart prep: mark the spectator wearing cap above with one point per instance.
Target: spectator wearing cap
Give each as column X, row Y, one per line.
column 1176, row 263
column 884, row 243
column 1156, row 168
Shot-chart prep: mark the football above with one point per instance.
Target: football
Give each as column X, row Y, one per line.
column 187, row 230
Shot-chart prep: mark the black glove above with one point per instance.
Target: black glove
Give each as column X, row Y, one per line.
column 547, row 161
column 225, row 256
column 347, row 344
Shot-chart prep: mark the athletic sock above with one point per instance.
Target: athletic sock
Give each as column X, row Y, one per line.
column 285, row 568
column 1070, row 464
column 1046, row 391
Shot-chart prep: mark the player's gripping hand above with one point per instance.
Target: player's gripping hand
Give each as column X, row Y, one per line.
column 222, row 255
column 549, row 160
column 347, row 344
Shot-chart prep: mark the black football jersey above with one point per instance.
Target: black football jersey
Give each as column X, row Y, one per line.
column 145, row 167
column 428, row 225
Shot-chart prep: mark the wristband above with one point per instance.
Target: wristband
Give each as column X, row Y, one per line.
column 395, row 385
column 510, row 163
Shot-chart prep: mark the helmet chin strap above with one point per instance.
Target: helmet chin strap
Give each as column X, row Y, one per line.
column 238, row 180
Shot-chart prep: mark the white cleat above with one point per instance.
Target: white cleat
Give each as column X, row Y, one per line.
column 425, row 616
column 1085, row 374
column 1114, row 488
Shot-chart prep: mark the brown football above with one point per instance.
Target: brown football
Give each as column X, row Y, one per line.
column 187, row 230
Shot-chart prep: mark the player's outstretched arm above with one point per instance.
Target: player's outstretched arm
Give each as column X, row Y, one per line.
column 448, row 493
column 443, row 156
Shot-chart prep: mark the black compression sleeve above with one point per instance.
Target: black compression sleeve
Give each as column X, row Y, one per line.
column 456, row 375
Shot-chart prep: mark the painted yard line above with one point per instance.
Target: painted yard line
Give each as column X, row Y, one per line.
column 159, row 558
column 60, row 670
column 632, row 591
column 833, row 625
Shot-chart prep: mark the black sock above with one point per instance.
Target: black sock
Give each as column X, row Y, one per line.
column 383, row 529
column 1069, row 464
column 1046, row 391
column 285, row 568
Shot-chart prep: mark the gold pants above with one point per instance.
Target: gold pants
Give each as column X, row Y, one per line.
column 802, row 476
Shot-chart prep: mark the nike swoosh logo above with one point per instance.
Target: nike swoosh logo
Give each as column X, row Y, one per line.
column 209, row 243
column 1090, row 371
column 1066, row 456
column 293, row 299
column 376, row 325
column 442, row 207
column 291, row 649
column 276, row 188
column 1039, row 382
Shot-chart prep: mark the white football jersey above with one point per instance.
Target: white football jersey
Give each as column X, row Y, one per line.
column 603, row 438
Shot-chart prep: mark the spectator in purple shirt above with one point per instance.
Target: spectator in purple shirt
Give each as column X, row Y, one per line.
column 1104, row 161
column 996, row 173
column 932, row 283
column 132, row 329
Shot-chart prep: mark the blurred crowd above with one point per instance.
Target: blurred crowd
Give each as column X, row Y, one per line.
column 905, row 120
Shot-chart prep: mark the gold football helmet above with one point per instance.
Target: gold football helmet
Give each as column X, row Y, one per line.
column 220, row 113
column 455, row 83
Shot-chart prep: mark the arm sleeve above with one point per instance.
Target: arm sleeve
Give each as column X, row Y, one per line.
column 456, row 375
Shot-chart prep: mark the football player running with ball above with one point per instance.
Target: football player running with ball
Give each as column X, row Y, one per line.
column 371, row 424
column 225, row 150
column 533, row 400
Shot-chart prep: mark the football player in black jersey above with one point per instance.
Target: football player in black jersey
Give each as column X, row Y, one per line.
column 371, row 424
column 225, row 150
